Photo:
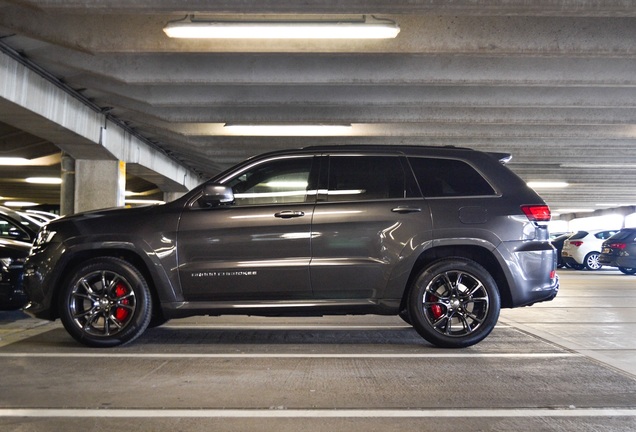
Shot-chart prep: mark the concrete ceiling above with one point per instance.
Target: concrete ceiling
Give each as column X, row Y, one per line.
column 551, row 81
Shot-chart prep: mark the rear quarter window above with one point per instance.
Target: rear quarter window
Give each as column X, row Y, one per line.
column 448, row 178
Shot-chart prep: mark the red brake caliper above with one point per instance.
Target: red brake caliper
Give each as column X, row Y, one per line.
column 436, row 309
column 120, row 313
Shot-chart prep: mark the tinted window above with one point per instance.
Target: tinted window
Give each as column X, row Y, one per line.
column 625, row 235
column 448, row 177
column 275, row 182
column 579, row 235
column 10, row 230
column 365, row 178
column 603, row 235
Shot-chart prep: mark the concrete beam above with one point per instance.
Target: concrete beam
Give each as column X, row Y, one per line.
column 388, row 114
column 355, row 69
column 437, row 7
column 117, row 94
column 33, row 103
column 420, row 34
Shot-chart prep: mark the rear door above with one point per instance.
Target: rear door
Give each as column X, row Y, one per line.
column 367, row 214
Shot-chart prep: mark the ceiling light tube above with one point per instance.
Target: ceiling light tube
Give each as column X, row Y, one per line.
column 20, row 204
column 547, row 184
column 10, row 161
column 367, row 28
column 287, row 129
column 44, row 180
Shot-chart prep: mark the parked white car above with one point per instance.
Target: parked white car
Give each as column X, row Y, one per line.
column 583, row 248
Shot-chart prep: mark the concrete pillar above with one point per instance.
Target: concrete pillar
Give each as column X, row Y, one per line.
column 99, row 184
column 67, row 189
column 171, row 196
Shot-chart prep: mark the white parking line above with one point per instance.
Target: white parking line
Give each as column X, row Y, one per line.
column 316, row 413
column 106, row 354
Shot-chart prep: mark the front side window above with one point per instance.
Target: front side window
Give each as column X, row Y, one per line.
column 448, row 178
column 358, row 178
column 282, row 181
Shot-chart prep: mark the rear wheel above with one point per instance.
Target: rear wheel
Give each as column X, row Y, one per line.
column 106, row 302
column 628, row 270
column 454, row 303
column 591, row 261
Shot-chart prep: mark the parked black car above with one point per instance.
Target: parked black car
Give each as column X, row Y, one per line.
column 13, row 253
column 442, row 236
column 557, row 242
column 620, row 251
column 16, row 235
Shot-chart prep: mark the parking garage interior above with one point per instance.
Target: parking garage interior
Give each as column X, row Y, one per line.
column 97, row 97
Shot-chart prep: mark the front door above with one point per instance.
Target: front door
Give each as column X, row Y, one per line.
column 257, row 248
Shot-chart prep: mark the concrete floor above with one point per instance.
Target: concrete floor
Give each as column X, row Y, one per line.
column 566, row 365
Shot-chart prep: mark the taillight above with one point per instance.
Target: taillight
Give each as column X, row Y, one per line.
column 576, row 243
column 537, row 213
column 620, row 246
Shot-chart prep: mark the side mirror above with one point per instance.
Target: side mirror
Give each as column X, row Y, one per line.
column 215, row 195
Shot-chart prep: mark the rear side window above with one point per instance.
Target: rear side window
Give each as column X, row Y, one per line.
column 625, row 235
column 578, row 235
column 604, row 235
column 448, row 178
column 359, row 178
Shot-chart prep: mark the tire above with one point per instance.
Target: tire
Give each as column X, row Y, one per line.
column 591, row 261
column 628, row 270
column 454, row 303
column 106, row 302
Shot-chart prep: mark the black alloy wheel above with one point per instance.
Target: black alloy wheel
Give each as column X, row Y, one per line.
column 454, row 303
column 106, row 302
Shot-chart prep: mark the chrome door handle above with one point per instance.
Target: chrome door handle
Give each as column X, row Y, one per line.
column 288, row 214
column 406, row 210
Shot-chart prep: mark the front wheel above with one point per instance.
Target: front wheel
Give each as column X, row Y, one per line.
column 454, row 303
column 106, row 302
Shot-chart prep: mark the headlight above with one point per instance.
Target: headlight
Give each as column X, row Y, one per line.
column 43, row 238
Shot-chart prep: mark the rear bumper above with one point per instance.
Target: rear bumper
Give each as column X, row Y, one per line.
column 533, row 276
column 617, row 261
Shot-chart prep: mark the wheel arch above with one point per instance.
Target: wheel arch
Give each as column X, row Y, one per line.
column 478, row 254
column 76, row 258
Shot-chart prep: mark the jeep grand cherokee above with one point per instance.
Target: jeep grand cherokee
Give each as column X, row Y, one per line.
column 442, row 236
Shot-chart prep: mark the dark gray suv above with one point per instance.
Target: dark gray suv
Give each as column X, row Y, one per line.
column 442, row 236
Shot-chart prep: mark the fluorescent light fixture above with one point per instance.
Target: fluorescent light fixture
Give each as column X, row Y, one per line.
column 547, row 184
column 366, row 28
column 143, row 201
column 287, row 129
column 40, row 161
column 598, row 166
column 44, row 180
column 9, row 161
column 20, row 204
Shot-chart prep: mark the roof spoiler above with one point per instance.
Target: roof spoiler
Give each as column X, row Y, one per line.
column 504, row 158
